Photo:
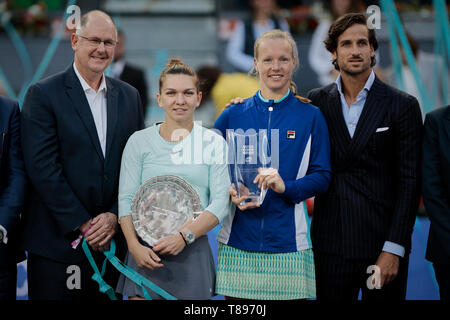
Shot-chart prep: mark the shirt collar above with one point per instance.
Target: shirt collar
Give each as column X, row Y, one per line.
column 367, row 86
column 85, row 85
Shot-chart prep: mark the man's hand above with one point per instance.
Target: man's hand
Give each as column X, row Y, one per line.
column 103, row 228
column 388, row 264
column 236, row 100
column 85, row 226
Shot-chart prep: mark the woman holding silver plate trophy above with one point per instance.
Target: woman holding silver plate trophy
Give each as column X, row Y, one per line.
column 173, row 189
column 280, row 156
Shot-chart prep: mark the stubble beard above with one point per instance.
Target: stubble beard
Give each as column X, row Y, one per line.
column 354, row 72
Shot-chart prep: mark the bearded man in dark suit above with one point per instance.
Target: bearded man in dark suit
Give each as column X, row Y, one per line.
column 364, row 221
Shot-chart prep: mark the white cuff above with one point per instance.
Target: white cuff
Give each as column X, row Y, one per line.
column 394, row 248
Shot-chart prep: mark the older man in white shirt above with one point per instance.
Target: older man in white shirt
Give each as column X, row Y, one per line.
column 75, row 126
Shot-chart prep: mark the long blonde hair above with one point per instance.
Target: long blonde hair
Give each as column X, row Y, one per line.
column 279, row 34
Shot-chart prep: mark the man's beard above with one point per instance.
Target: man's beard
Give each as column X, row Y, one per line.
column 354, row 72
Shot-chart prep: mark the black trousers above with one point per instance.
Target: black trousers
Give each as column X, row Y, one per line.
column 8, row 282
column 340, row 279
column 53, row 280
column 443, row 279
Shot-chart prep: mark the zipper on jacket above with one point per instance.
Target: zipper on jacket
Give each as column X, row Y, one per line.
column 269, row 136
column 269, row 151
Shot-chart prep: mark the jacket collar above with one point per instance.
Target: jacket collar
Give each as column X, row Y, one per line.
column 273, row 101
column 367, row 85
column 373, row 112
column 77, row 96
column 263, row 104
column 85, row 85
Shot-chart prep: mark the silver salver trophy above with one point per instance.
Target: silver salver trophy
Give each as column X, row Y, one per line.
column 161, row 205
column 248, row 153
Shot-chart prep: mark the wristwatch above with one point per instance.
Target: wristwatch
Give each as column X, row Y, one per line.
column 189, row 237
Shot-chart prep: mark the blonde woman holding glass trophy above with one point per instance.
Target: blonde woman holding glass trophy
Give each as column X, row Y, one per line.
column 279, row 157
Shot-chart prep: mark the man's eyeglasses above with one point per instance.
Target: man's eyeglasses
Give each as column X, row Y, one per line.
column 95, row 42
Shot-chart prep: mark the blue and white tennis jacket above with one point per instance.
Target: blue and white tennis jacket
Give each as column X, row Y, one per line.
column 280, row 224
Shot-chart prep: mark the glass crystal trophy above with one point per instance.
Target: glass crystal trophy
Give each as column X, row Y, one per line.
column 248, row 153
column 161, row 205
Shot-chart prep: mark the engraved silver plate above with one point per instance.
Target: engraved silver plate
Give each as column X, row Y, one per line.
column 161, row 205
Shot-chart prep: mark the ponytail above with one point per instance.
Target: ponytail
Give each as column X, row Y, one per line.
column 293, row 88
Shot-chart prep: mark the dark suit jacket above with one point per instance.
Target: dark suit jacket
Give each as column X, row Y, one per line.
column 374, row 191
column 12, row 178
column 136, row 78
column 436, row 183
column 71, row 180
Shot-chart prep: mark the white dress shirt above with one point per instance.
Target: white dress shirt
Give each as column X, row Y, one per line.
column 97, row 103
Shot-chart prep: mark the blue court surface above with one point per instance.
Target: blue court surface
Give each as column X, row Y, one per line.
column 421, row 282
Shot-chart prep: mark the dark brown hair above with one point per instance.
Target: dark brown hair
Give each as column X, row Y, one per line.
column 342, row 24
column 177, row 66
column 208, row 76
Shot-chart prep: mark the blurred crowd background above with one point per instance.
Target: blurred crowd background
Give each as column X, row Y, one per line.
column 213, row 36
